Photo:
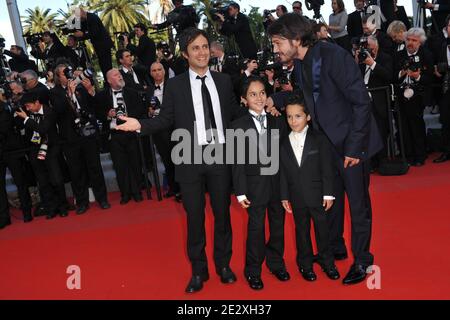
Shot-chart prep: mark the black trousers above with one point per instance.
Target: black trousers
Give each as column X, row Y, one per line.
column 125, row 156
column 353, row 182
column 50, row 179
column 302, row 218
column 85, row 169
column 4, row 207
column 444, row 108
column 164, row 147
column 105, row 62
column 382, row 120
column 256, row 247
column 414, row 134
column 194, row 204
column 17, row 167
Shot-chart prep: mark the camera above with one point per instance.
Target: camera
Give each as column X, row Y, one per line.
column 86, row 74
column 33, row 39
column 267, row 13
column 364, row 51
column 412, row 63
column 85, row 123
column 164, row 47
column 218, row 7
column 314, row 5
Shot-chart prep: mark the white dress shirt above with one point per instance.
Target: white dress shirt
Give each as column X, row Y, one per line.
column 297, row 140
column 196, row 88
column 135, row 78
column 159, row 92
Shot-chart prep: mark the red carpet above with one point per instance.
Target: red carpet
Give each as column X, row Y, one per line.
column 138, row 251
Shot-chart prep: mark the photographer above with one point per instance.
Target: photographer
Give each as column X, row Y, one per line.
column 397, row 32
column 173, row 65
column 354, row 22
column 19, row 60
column 237, row 25
column 181, row 18
column 11, row 141
column 414, row 73
column 44, row 154
column 31, row 83
column 377, row 71
column 440, row 46
column 297, row 7
column 50, row 49
column 113, row 102
column 269, row 18
column 146, row 50
column 76, row 54
column 93, row 29
column 73, row 101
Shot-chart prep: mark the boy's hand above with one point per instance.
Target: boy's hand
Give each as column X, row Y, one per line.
column 286, row 205
column 245, row 203
column 327, row 204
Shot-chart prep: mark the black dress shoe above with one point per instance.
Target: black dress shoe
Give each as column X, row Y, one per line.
column 69, row 207
column 169, row 194
column 104, row 205
column 51, row 215
column 227, row 275
column 82, row 209
column 356, row 274
column 442, row 158
column 27, row 218
column 196, row 283
column 417, row 163
column 308, row 275
column 4, row 224
column 340, row 256
column 124, row 200
column 137, row 197
column 178, row 198
column 63, row 213
column 255, row 282
column 39, row 211
column 332, row 273
column 281, row 274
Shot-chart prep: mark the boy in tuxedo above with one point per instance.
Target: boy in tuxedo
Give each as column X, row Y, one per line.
column 307, row 187
column 256, row 190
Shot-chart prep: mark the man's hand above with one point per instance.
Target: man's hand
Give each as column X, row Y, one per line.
column 252, row 65
column 125, row 40
column 327, row 204
column 221, row 17
column 71, row 87
column 270, row 74
column 131, row 124
column 21, row 113
column 350, row 162
column 369, row 60
column 245, row 203
column 414, row 74
column 88, row 86
column 286, row 205
column 111, row 113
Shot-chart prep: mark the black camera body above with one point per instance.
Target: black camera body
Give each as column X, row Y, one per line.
column 218, row 7
column 33, row 39
column 85, row 123
column 164, row 46
column 364, row 50
column 413, row 63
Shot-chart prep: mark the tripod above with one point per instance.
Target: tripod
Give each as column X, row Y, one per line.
column 420, row 19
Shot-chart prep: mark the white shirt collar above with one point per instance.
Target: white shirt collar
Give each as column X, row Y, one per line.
column 193, row 75
column 125, row 69
column 41, row 111
column 299, row 134
column 253, row 113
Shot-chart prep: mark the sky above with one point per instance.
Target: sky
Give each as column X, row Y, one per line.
column 54, row 5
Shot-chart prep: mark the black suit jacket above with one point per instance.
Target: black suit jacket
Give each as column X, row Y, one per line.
column 177, row 110
column 381, row 76
column 400, row 14
column 247, row 178
column 384, row 42
column 354, row 25
column 441, row 14
column 129, row 80
column 145, row 51
column 426, row 60
column 305, row 185
column 46, row 127
column 240, row 28
column 97, row 33
column 42, row 91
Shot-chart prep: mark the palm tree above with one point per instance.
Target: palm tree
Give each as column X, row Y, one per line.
column 119, row 15
column 38, row 20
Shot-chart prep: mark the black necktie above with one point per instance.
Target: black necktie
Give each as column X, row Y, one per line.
column 210, row 123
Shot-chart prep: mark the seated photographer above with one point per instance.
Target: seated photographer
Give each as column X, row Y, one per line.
column 44, row 153
column 50, row 49
column 113, row 102
column 370, row 28
column 440, row 45
column 73, row 101
column 19, row 60
column 30, row 80
column 377, row 71
column 133, row 78
column 145, row 51
column 75, row 54
column 237, row 25
column 414, row 73
column 173, row 64
column 11, row 141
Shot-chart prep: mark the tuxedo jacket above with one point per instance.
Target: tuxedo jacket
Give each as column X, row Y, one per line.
column 96, row 32
column 46, row 127
column 177, row 110
column 247, row 177
column 305, row 185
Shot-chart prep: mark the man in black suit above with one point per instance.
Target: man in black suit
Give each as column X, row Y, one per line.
column 75, row 53
column 377, row 70
column 44, row 154
column 237, row 25
column 93, row 29
column 414, row 73
column 440, row 9
column 31, row 84
column 354, row 22
column 146, row 49
column 201, row 103
column 340, row 108
column 400, row 15
column 133, row 78
column 73, row 104
column 116, row 100
column 51, row 52
column 19, row 60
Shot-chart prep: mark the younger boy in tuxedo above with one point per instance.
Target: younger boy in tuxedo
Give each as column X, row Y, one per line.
column 306, row 175
column 258, row 191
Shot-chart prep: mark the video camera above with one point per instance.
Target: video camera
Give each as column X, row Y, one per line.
column 314, row 5
column 164, row 47
column 33, row 39
column 218, row 7
column 5, row 89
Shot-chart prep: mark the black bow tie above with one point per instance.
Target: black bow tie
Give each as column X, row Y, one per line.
column 117, row 92
column 157, row 88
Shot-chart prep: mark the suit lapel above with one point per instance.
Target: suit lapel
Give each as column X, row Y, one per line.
column 186, row 89
column 290, row 152
column 221, row 97
column 306, row 147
